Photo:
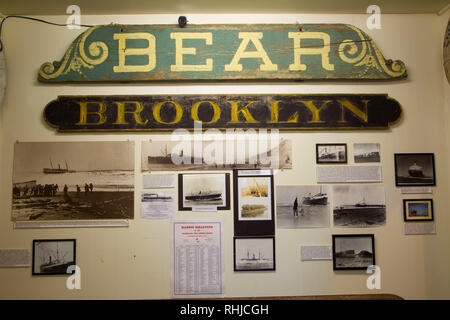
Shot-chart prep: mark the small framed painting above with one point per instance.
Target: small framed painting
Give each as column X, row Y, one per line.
column 254, row 253
column 331, row 153
column 53, row 256
column 418, row 210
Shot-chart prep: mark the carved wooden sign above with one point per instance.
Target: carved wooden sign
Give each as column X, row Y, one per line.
column 123, row 53
column 167, row 113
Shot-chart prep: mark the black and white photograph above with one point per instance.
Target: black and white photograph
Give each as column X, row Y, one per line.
column 53, row 256
column 353, row 251
column 157, row 205
column 255, row 198
column 418, row 210
column 414, row 169
column 302, row 206
column 331, row 153
column 366, row 152
column 73, row 181
column 216, row 155
column 203, row 190
column 254, row 253
column 359, row 206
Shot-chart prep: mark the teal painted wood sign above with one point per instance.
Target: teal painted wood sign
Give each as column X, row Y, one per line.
column 124, row 53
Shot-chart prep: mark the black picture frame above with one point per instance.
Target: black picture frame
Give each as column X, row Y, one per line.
column 247, row 258
column 414, row 169
column 43, row 248
column 181, row 201
column 329, row 157
column 408, row 210
column 253, row 226
column 346, row 256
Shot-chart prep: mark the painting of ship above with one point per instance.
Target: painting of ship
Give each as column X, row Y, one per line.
column 317, row 199
column 58, row 170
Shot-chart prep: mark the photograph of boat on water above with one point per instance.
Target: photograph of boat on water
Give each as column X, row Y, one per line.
column 359, row 206
column 302, row 206
column 366, row 152
column 353, row 251
column 331, row 153
column 73, row 181
column 53, row 256
column 418, row 210
column 255, row 198
column 243, row 153
column 414, row 169
column 203, row 190
column 254, row 253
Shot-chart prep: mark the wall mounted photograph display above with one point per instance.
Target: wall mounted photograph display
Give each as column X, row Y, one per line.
column 331, row 153
column 353, row 251
column 359, row 205
column 203, row 191
column 366, row 152
column 252, row 151
column 254, row 253
column 418, row 210
column 302, row 207
column 253, row 203
column 73, row 181
column 53, row 256
column 414, row 169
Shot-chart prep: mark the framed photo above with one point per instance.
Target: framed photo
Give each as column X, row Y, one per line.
column 418, row 210
column 53, row 256
column 331, row 153
column 253, row 203
column 254, row 253
column 353, row 251
column 203, row 191
column 414, row 169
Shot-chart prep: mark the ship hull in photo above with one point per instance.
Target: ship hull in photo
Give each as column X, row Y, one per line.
column 359, row 216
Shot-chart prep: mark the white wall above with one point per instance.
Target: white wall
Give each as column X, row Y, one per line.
column 412, row 266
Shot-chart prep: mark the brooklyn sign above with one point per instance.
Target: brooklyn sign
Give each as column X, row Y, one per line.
column 170, row 112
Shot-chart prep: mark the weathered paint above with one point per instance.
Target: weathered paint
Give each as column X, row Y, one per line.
column 222, row 52
column 167, row 113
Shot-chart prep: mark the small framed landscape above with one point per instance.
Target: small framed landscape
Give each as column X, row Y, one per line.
column 254, row 253
column 53, row 256
column 204, row 191
column 414, row 169
column 353, row 251
column 418, row 210
column 331, row 153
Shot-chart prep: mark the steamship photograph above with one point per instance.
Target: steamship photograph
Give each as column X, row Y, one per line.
column 414, row 169
column 254, row 253
column 216, row 155
column 73, row 181
column 203, row 190
column 359, row 206
column 53, row 256
column 302, row 207
column 353, row 252
column 366, row 152
column 331, row 153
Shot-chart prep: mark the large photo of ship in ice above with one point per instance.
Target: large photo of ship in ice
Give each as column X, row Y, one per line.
column 303, row 206
column 73, row 181
column 215, row 155
column 359, row 205
column 204, row 190
column 414, row 169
